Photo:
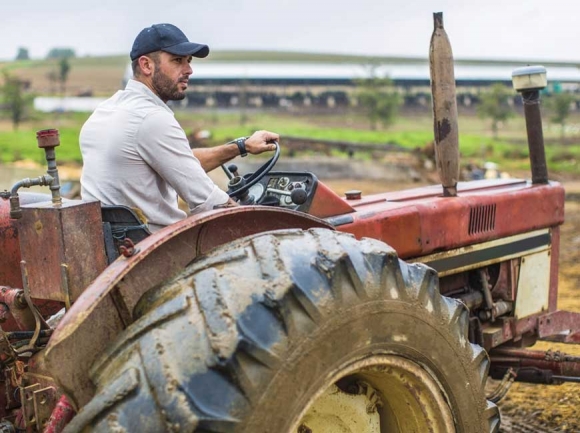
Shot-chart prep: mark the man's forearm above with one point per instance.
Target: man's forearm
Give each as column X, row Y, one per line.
column 258, row 142
column 213, row 157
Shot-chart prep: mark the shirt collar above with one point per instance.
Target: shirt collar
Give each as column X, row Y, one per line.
column 138, row 86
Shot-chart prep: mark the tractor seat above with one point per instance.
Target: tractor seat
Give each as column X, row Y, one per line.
column 120, row 222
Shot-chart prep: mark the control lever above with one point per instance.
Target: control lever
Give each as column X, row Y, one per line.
column 231, row 171
column 233, row 168
column 298, row 196
column 238, row 182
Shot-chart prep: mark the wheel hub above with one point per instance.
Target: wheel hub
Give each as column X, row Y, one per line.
column 381, row 394
column 337, row 411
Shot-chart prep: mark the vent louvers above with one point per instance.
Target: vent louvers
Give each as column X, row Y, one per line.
column 481, row 219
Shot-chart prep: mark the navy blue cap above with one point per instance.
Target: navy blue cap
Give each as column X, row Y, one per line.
column 166, row 37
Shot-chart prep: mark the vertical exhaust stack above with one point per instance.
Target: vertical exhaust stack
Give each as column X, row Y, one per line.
column 529, row 81
column 444, row 107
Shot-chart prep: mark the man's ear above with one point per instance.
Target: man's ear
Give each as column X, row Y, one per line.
column 147, row 65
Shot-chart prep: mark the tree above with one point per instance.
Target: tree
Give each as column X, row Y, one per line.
column 52, row 77
column 60, row 53
column 14, row 98
column 64, row 69
column 378, row 98
column 22, row 54
column 560, row 104
column 495, row 106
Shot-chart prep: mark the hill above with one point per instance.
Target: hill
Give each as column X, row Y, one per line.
column 99, row 75
column 103, row 75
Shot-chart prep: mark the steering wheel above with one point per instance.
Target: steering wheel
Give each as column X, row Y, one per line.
column 243, row 184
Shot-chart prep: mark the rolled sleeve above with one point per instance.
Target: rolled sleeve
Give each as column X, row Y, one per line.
column 216, row 198
column 163, row 145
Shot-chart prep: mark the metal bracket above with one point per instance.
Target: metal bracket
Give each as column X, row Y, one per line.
column 39, row 321
column 27, row 399
column 37, row 405
column 44, row 401
column 65, row 285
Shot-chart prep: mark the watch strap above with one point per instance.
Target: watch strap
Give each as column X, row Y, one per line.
column 241, row 143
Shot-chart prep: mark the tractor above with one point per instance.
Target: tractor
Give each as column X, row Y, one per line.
column 299, row 312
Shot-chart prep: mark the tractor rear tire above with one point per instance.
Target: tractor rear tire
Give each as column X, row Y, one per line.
column 249, row 337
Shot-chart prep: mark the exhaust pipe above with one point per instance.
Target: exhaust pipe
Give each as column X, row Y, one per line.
column 444, row 107
column 529, row 81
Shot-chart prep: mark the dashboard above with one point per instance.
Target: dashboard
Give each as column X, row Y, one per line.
column 290, row 190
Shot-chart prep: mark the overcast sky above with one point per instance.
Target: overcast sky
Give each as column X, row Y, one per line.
column 504, row 29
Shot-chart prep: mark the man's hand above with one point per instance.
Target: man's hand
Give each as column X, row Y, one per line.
column 212, row 157
column 261, row 141
column 229, row 203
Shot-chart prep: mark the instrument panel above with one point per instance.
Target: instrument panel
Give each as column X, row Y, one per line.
column 291, row 190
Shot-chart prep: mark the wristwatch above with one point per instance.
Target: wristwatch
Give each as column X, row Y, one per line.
column 241, row 142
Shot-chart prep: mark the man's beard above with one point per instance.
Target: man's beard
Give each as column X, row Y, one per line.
column 166, row 89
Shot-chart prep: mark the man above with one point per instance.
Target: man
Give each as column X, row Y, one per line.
column 134, row 151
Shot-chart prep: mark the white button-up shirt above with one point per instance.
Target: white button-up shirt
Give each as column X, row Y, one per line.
column 136, row 154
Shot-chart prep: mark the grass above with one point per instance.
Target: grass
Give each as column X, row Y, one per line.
column 21, row 144
column 102, row 76
column 412, row 131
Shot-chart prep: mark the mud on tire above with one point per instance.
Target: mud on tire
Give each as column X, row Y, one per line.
column 244, row 338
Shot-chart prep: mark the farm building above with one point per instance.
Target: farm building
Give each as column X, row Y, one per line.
column 292, row 79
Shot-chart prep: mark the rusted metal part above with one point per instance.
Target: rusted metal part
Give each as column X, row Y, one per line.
column 48, row 139
column 497, row 309
column 557, row 363
column 15, row 314
column 36, row 390
column 94, row 320
column 39, row 322
column 560, row 326
column 444, row 107
column 128, row 248
column 15, row 209
column 326, row 203
column 419, row 222
column 554, row 268
column 14, row 300
column 4, row 313
column 353, row 194
column 486, row 289
column 533, row 116
column 70, row 234
column 9, row 245
column 60, row 417
column 506, row 285
column 27, row 400
column 472, row 299
column 37, row 404
column 508, row 329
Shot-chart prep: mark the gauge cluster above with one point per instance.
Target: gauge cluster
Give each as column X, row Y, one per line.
column 291, row 190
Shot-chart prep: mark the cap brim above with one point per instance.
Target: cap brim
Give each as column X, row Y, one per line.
column 188, row 49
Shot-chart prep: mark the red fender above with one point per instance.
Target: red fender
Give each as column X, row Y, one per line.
column 105, row 308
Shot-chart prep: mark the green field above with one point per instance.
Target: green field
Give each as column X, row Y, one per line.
column 102, row 76
column 476, row 143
